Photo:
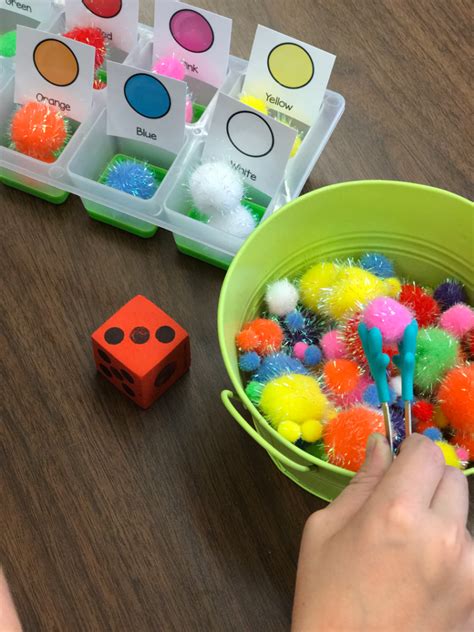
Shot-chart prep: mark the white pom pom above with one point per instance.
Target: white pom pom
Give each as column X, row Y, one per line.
column 281, row 297
column 396, row 385
column 239, row 223
column 216, row 188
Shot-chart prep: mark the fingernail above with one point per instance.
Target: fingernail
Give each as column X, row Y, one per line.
column 370, row 447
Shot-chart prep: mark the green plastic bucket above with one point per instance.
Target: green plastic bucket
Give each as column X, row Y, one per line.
column 427, row 232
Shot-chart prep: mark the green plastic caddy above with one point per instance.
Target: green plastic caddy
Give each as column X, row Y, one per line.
column 427, row 232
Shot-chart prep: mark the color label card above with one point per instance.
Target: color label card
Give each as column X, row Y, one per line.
column 54, row 70
column 35, row 9
column 255, row 145
column 199, row 38
column 118, row 19
column 289, row 75
column 143, row 106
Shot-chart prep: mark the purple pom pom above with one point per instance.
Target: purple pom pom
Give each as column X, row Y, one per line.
column 398, row 424
column 449, row 293
column 132, row 177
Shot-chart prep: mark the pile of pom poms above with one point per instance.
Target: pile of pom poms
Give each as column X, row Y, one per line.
column 39, row 131
column 304, row 367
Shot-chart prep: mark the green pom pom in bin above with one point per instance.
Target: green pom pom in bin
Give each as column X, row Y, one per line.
column 428, row 232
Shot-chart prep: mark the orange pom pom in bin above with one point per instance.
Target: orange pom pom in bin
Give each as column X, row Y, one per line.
column 39, row 131
column 261, row 335
column 456, row 395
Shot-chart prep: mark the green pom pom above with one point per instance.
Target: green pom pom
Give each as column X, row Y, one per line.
column 436, row 353
column 8, row 44
column 254, row 392
column 317, row 450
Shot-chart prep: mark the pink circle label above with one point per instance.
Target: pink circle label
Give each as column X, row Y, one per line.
column 191, row 31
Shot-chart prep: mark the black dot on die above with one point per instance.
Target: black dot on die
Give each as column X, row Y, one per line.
column 104, row 356
column 165, row 334
column 117, row 373
column 165, row 374
column 140, row 335
column 128, row 390
column 105, row 370
column 114, row 335
column 127, row 376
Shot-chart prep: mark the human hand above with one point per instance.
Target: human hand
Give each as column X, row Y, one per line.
column 392, row 552
column 8, row 618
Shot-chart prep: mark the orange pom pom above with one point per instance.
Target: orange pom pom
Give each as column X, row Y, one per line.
column 345, row 437
column 39, row 131
column 465, row 440
column 261, row 335
column 341, row 376
column 456, row 396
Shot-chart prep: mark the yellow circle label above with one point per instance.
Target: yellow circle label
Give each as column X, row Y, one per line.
column 291, row 66
column 56, row 62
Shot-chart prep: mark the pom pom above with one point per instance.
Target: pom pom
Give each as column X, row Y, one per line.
column 377, row 264
column 353, row 289
column 312, row 356
column 439, row 418
column 261, row 335
column 466, row 441
column 333, row 346
column 254, row 390
column 394, row 287
column 397, row 418
column 345, row 437
column 295, row 321
column 8, row 44
column 433, row 433
column 99, row 84
column 254, row 102
column 421, row 426
column 424, row 307
column 463, row 456
column 216, row 188
column 389, row 316
column 371, row 397
column 169, row 66
column 293, row 397
column 458, row 320
column 320, row 276
column 396, row 385
column 299, row 350
column 449, row 293
column 351, row 339
column 39, row 131
column 132, row 177
column 249, row 362
column 311, row 430
column 436, row 353
column 469, row 344
column 290, row 431
column 240, row 222
column 278, row 364
column 281, row 297
column 296, row 146
column 449, row 453
column 189, row 111
column 456, row 398
column 423, row 411
column 92, row 36
column 343, row 380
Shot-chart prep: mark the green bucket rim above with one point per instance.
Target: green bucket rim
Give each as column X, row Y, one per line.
column 235, row 379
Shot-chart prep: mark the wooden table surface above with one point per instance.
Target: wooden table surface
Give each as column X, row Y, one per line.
column 173, row 519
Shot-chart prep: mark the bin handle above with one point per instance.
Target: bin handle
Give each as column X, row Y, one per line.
column 226, row 397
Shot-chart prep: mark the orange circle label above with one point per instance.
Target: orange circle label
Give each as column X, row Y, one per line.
column 56, row 62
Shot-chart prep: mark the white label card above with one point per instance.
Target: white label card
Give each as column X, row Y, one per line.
column 255, row 145
column 54, row 70
column 35, row 9
column 199, row 38
column 289, row 75
column 118, row 19
column 145, row 107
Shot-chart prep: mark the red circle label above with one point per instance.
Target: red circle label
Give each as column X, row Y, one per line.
column 103, row 8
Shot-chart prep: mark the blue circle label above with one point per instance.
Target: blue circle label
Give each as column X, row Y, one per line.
column 147, row 96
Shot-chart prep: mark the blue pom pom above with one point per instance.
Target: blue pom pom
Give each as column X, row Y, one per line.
column 278, row 364
column 132, row 177
column 378, row 264
column 249, row 362
column 295, row 321
column 450, row 293
column 433, row 433
column 371, row 397
column 312, row 356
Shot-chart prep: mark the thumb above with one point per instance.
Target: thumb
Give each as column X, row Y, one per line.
column 378, row 459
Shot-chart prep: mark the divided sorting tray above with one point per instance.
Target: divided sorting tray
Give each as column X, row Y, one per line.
column 79, row 168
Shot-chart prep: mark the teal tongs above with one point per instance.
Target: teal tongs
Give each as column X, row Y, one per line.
column 378, row 361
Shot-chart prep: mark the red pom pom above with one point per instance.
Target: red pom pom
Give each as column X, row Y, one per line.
column 468, row 343
column 465, row 440
column 421, row 426
column 352, row 343
column 261, row 335
column 456, row 396
column 424, row 306
column 93, row 37
column 423, row 411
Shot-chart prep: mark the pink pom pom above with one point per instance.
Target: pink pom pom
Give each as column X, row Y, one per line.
column 463, row 455
column 169, row 67
column 189, row 110
column 390, row 316
column 299, row 350
column 458, row 320
column 333, row 346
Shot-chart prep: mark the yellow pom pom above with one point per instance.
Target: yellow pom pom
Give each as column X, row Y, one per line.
column 439, row 418
column 394, row 287
column 353, row 289
column 331, row 414
column 312, row 430
column 255, row 103
column 296, row 146
column 290, row 431
column 292, row 397
column 320, row 276
column 449, row 453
